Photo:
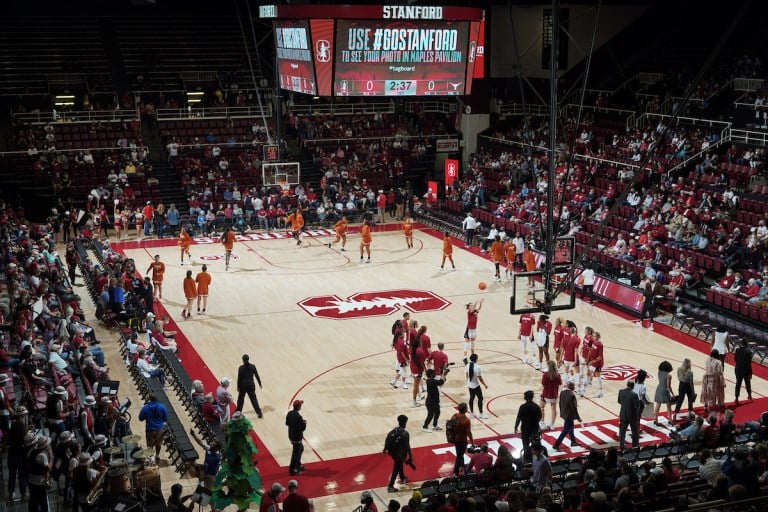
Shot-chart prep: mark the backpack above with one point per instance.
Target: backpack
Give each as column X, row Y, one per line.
column 393, row 444
column 452, row 429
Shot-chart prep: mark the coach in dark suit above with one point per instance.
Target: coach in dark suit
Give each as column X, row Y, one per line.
column 628, row 414
column 528, row 417
column 743, row 368
column 245, row 385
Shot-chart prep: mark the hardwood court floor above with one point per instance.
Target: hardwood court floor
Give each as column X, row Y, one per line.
column 316, row 323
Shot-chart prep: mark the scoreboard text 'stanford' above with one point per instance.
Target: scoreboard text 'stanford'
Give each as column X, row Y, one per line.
column 411, row 12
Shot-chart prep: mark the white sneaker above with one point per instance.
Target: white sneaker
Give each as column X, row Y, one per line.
column 551, row 426
column 437, row 427
column 599, row 395
column 405, row 386
column 426, row 429
column 393, row 383
column 415, row 404
column 440, row 269
column 537, row 366
column 483, row 416
column 420, row 396
column 453, row 269
column 542, row 425
column 650, row 328
column 639, row 323
column 525, row 360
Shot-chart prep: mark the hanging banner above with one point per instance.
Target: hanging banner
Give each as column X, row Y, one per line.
column 451, row 171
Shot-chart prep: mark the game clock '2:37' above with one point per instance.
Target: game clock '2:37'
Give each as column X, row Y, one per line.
column 400, row 87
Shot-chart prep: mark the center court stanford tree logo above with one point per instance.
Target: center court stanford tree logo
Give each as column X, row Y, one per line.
column 622, row 372
column 368, row 304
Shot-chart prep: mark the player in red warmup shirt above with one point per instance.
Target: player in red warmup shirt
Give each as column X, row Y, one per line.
column 550, row 384
column 418, row 361
column 526, row 328
column 401, row 363
column 470, row 333
column 560, row 331
column 583, row 382
column 596, row 363
column 439, row 361
column 571, row 344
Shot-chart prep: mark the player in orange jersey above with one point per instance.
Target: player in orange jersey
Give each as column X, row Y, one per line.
column 529, row 260
column 408, row 231
column 184, row 242
column 203, row 280
column 447, row 252
column 365, row 241
column 296, row 221
column 190, row 293
column 497, row 254
column 510, row 253
column 341, row 232
column 228, row 240
column 158, row 269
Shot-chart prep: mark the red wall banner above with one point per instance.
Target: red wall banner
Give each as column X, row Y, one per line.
column 451, row 171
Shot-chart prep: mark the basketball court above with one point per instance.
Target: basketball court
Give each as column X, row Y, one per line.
column 316, row 322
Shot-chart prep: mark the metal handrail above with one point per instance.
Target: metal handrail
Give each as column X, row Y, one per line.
column 591, row 158
column 516, row 109
column 77, row 116
column 684, row 119
column 444, row 136
column 649, row 78
column 168, row 114
column 67, row 150
column 311, row 109
column 747, row 84
column 749, row 137
column 524, row 145
column 594, row 108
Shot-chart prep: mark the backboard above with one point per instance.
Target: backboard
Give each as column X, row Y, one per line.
column 288, row 173
column 529, row 294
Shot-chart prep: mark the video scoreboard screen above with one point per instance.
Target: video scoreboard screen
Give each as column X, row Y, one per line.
column 294, row 57
column 400, row 58
column 378, row 50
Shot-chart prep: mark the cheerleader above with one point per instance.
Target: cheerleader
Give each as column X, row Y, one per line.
column 138, row 220
column 118, row 223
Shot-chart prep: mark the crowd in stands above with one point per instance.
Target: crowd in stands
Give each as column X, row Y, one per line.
column 370, row 153
column 651, row 478
column 47, row 348
column 680, row 228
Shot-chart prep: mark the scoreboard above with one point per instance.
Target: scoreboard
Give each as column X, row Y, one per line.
column 378, row 50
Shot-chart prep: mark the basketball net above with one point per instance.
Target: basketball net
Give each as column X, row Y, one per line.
column 285, row 187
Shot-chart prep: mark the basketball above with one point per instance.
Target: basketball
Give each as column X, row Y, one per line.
column 481, row 285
